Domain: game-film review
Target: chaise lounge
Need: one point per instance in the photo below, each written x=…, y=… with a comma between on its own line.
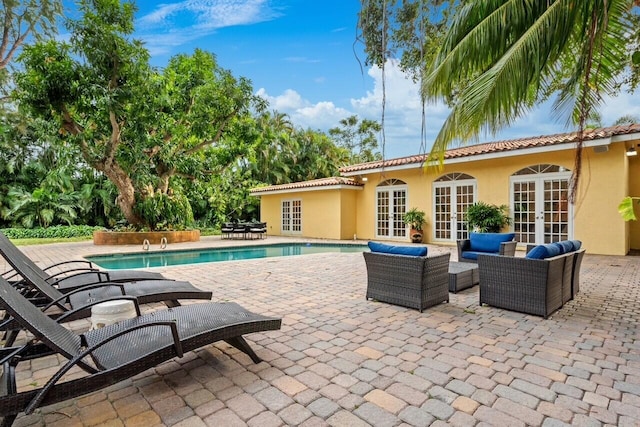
x=106, y=355
x=70, y=278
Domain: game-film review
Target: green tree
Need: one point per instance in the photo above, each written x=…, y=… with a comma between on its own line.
x=510, y=55
x=138, y=126
x=359, y=137
x=20, y=19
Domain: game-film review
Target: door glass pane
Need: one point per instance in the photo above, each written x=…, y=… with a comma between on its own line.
x=296, y=216
x=286, y=215
x=442, y=216
x=556, y=210
x=464, y=199
x=524, y=211
x=399, y=208
x=382, y=217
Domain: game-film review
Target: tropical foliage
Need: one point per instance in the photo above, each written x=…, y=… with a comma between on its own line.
x=131, y=144
x=499, y=58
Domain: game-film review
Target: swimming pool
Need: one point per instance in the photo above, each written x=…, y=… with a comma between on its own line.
x=196, y=256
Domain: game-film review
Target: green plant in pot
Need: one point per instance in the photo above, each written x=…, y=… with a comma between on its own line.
x=487, y=218
x=415, y=219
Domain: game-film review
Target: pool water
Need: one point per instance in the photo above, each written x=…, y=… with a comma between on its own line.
x=196, y=256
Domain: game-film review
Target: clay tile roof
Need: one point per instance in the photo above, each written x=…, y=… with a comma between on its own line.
x=322, y=182
x=501, y=146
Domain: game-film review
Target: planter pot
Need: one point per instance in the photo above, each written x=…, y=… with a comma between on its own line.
x=138, y=237
x=416, y=236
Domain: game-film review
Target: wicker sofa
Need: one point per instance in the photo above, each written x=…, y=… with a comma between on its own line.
x=530, y=285
x=410, y=281
x=486, y=243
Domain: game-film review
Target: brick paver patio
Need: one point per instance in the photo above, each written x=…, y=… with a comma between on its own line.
x=340, y=360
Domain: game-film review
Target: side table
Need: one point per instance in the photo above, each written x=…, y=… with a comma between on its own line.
x=462, y=275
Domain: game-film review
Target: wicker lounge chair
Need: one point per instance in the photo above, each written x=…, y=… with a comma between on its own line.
x=76, y=304
x=81, y=273
x=410, y=281
x=106, y=355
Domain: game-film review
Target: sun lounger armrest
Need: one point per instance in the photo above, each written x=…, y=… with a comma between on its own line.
x=8, y=353
x=75, y=261
x=63, y=274
x=35, y=402
x=70, y=313
x=101, y=276
x=83, y=289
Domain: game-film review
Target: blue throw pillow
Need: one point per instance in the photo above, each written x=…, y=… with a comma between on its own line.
x=543, y=251
x=397, y=250
x=565, y=246
x=577, y=244
x=489, y=242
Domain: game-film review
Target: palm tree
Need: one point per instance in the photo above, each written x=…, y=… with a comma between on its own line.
x=501, y=57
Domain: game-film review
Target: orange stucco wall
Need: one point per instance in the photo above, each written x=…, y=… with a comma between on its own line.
x=607, y=177
x=326, y=214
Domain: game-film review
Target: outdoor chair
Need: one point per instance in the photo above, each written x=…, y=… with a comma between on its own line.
x=532, y=286
x=410, y=281
x=258, y=229
x=226, y=231
x=77, y=303
x=486, y=243
x=71, y=278
x=106, y=355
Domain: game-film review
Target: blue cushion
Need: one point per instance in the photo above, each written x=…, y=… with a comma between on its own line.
x=489, y=242
x=398, y=250
x=565, y=246
x=577, y=244
x=544, y=251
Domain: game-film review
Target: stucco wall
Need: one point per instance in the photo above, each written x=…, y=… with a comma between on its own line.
x=607, y=177
x=326, y=214
x=596, y=220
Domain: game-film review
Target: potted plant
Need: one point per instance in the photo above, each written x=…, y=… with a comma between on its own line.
x=415, y=219
x=487, y=218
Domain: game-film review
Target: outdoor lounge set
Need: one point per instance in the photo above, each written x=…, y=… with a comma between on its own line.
x=106, y=354
x=539, y=283
x=244, y=230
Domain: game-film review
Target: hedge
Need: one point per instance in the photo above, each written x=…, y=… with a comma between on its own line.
x=54, y=232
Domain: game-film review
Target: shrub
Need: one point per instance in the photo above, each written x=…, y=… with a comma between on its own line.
x=487, y=218
x=164, y=212
x=55, y=232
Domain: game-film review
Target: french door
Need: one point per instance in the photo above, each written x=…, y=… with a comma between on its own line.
x=391, y=204
x=452, y=196
x=291, y=216
x=539, y=202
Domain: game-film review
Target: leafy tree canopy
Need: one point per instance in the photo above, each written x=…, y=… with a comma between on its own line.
x=139, y=126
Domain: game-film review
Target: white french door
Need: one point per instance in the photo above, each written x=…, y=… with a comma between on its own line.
x=539, y=202
x=291, y=216
x=391, y=204
x=452, y=196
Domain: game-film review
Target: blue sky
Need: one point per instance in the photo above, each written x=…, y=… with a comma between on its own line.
x=300, y=55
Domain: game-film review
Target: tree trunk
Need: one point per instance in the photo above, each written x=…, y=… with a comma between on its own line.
x=126, y=199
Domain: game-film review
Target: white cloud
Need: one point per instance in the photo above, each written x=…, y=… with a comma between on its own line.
x=322, y=115
x=174, y=24
x=403, y=112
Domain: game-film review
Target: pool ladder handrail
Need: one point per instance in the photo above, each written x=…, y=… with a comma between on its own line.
x=145, y=245
x=163, y=243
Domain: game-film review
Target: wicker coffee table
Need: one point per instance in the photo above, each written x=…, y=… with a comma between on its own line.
x=462, y=275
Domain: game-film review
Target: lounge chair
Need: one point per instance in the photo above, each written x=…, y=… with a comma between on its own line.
x=106, y=354
x=76, y=303
x=82, y=271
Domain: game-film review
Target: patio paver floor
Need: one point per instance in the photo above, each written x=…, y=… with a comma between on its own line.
x=340, y=360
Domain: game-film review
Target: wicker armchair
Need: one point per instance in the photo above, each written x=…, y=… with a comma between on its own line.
x=410, y=281
x=532, y=286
